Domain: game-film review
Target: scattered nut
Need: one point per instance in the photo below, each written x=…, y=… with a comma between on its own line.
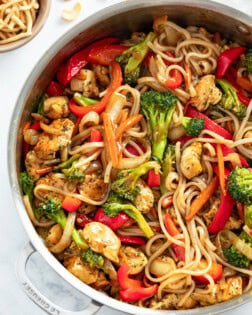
x=70, y=15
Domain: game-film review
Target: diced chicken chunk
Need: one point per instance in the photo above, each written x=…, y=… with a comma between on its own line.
x=145, y=199
x=54, y=235
x=133, y=257
x=81, y=269
x=56, y=107
x=190, y=160
x=93, y=187
x=248, y=135
x=101, y=283
x=207, y=299
x=32, y=163
x=102, y=75
x=233, y=288
x=49, y=144
x=85, y=82
x=52, y=180
x=207, y=93
x=171, y=301
x=102, y=239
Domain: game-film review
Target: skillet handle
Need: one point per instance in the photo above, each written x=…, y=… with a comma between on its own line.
x=38, y=298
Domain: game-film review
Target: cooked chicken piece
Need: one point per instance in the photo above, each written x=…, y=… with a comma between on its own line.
x=49, y=144
x=207, y=299
x=133, y=257
x=248, y=135
x=206, y=92
x=232, y=223
x=102, y=74
x=190, y=160
x=32, y=163
x=85, y=82
x=162, y=265
x=233, y=288
x=144, y=200
x=85, y=208
x=56, y=107
x=102, y=239
x=54, y=235
x=93, y=187
x=169, y=301
x=52, y=180
x=101, y=283
x=81, y=269
x=188, y=304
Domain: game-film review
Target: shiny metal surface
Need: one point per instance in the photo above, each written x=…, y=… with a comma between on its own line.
x=118, y=19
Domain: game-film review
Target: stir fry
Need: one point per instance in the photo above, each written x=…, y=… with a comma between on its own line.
x=137, y=167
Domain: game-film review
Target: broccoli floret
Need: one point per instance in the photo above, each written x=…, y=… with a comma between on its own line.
x=193, y=126
x=235, y=258
x=67, y=163
x=248, y=60
x=168, y=161
x=27, y=185
x=84, y=101
x=130, y=60
x=74, y=174
x=158, y=109
x=52, y=209
x=230, y=99
x=93, y=259
x=239, y=183
x=125, y=183
x=115, y=204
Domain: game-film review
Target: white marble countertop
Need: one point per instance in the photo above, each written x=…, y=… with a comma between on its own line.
x=15, y=67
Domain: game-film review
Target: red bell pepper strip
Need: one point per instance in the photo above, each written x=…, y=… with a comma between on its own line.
x=45, y=170
x=25, y=149
x=71, y=204
x=54, y=89
x=133, y=290
x=114, y=223
x=146, y=60
x=82, y=219
x=167, y=202
x=226, y=59
x=80, y=59
x=105, y=55
x=134, y=294
x=124, y=280
x=176, y=78
x=183, y=140
x=209, y=124
x=134, y=240
x=35, y=126
x=224, y=211
x=95, y=135
x=215, y=272
x=99, y=107
x=231, y=76
x=153, y=179
x=172, y=230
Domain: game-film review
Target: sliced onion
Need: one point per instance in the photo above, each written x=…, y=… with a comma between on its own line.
x=91, y=118
x=66, y=237
x=110, y=269
x=32, y=216
x=51, y=130
x=114, y=108
x=239, y=244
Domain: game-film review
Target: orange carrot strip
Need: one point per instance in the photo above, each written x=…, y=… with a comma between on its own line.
x=221, y=168
x=124, y=116
x=189, y=103
x=110, y=140
x=45, y=170
x=131, y=121
x=217, y=38
x=76, y=126
x=245, y=83
x=202, y=198
x=26, y=126
x=229, y=126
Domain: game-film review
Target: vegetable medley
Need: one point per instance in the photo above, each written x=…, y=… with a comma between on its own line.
x=137, y=167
